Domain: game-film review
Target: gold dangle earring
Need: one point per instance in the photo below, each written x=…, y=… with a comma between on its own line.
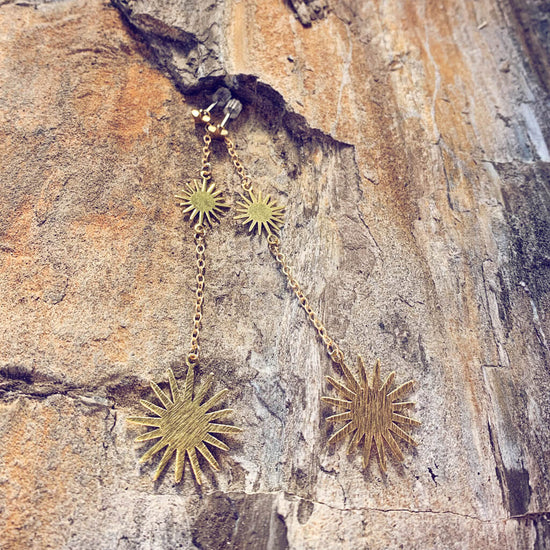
x=184, y=423
x=372, y=412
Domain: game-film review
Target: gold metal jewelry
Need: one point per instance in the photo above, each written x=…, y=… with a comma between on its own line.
x=184, y=423
x=372, y=411
x=260, y=213
x=202, y=202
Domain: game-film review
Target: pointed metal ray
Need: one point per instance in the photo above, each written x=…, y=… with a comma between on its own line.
x=401, y=390
x=342, y=432
x=201, y=447
x=216, y=442
x=203, y=390
x=392, y=444
x=354, y=441
x=153, y=450
x=350, y=378
x=399, y=406
x=223, y=429
x=163, y=398
x=342, y=403
x=387, y=383
x=341, y=388
x=164, y=460
x=402, y=434
x=216, y=414
x=154, y=434
x=273, y=226
x=366, y=451
x=189, y=383
x=376, y=381
x=213, y=401
x=244, y=204
x=340, y=417
x=380, y=450
x=180, y=461
x=405, y=419
x=159, y=411
x=145, y=421
x=173, y=386
x=194, y=464
x=362, y=372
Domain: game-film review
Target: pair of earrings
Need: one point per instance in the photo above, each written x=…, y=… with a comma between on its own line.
x=372, y=412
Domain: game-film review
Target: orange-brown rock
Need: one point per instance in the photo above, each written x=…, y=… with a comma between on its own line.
x=408, y=142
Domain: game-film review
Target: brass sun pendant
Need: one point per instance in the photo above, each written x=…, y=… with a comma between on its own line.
x=184, y=425
x=372, y=412
x=260, y=213
x=202, y=202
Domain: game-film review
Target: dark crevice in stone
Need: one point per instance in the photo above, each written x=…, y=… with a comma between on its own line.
x=17, y=381
x=514, y=483
x=526, y=203
x=519, y=491
x=193, y=61
x=239, y=521
x=498, y=460
x=305, y=509
x=17, y=373
x=541, y=523
x=531, y=22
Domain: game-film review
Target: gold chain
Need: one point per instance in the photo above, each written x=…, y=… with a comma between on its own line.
x=200, y=246
x=193, y=356
x=206, y=170
x=333, y=350
x=246, y=184
x=332, y=347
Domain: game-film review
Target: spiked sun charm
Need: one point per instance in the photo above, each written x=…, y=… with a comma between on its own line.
x=201, y=201
x=184, y=425
x=260, y=213
x=372, y=412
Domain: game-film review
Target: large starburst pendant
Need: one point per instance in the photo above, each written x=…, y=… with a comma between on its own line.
x=184, y=424
x=372, y=412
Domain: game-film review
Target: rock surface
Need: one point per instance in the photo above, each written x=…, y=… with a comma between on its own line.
x=408, y=141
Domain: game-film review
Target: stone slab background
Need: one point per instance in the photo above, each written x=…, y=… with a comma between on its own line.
x=408, y=141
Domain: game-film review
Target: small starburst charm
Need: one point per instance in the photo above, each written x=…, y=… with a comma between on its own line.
x=202, y=202
x=260, y=213
x=184, y=425
x=372, y=412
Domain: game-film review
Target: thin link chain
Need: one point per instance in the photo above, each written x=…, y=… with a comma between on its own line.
x=206, y=170
x=335, y=353
x=200, y=245
x=246, y=183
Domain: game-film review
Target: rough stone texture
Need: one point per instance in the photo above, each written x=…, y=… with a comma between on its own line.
x=409, y=143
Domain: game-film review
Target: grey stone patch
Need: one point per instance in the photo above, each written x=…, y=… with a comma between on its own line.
x=308, y=11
